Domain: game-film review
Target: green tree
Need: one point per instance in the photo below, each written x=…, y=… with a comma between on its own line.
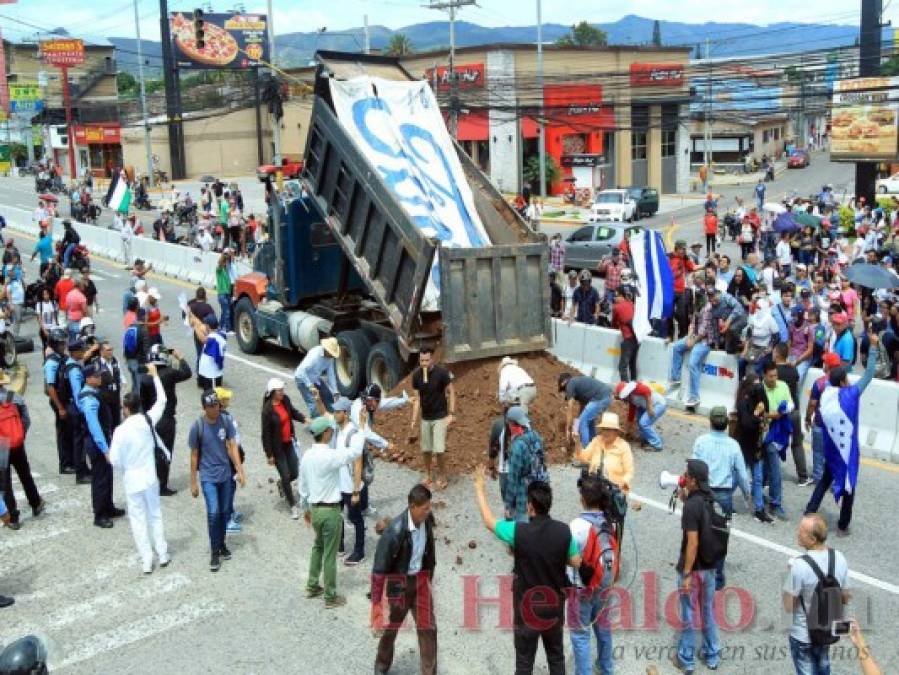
x=890, y=66
x=18, y=151
x=531, y=172
x=127, y=83
x=583, y=35
x=656, y=34
x=399, y=45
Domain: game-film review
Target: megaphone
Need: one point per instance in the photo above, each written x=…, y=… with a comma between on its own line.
x=668, y=480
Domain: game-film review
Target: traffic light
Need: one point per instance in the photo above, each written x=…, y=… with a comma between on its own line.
x=199, y=34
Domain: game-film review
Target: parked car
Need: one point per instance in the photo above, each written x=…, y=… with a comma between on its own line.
x=889, y=185
x=613, y=205
x=586, y=246
x=799, y=159
x=647, y=200
x=289, y=169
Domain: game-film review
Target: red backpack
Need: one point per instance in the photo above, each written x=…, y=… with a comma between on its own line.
x=11, y=427
x=601, y=554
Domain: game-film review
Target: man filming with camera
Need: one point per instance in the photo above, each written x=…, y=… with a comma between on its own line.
x=699, y=551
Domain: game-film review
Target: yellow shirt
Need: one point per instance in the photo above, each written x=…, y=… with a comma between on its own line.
x=617, y=460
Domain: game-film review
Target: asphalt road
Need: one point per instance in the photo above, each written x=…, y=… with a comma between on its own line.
x=82, y=589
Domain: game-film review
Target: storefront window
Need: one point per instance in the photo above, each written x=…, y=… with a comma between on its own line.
x=638, y=145
x=669, y=143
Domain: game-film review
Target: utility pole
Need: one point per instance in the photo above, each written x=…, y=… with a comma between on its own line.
x=276, y=124
x=143, y=98
x=274, y=193
x=452, y=6
x=707, y=130
x=541, y=130
x=172, y=95
x=801, y=123
x=868, y=66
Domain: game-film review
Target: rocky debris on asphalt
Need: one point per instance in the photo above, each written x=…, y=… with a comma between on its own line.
x=476, y=384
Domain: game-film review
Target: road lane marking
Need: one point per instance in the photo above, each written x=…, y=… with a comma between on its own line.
x=47, y=489
x=31, y=538
x=94, y=645
x=778, y=548
x=109, y=569
x=259, y=366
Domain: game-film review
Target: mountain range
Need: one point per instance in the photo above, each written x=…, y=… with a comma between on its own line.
x=725, y=39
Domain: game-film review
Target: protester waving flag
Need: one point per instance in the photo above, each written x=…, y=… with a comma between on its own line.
x=655, y=283
x=839, y=412
x=118, y=197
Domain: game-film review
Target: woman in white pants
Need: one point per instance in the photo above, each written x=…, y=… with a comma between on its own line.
x=133, y=452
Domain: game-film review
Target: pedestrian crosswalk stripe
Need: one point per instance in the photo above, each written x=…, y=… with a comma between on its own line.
x=31, y=538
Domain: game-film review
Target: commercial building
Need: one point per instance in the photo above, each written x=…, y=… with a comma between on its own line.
x=94, y=101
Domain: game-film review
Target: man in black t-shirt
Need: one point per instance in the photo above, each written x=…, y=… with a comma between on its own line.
x=787, y=372
x=432, y=384
x=696, y=577
x=200, y=308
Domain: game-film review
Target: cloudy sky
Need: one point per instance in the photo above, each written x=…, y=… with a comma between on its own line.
x=116, y=17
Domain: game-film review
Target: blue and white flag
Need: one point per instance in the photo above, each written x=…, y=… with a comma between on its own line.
x=839, y=412
x=655, y=282
x=779, y=430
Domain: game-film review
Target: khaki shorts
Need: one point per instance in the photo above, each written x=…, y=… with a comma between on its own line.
x=433, y=435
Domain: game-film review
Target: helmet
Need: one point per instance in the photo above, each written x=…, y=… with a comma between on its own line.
x=585, y=275
x=58, y=335
x=372, y=391
x=87, y=325
x=25, y=656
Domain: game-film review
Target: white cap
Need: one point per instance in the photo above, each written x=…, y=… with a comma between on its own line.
x=508, y=361
x=154, y=293
x=627, y=390
x=273, y=384
x=140, y=285
x=86, y=321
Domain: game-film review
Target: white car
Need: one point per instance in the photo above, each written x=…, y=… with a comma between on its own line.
x=612, y=205
x=889, y=185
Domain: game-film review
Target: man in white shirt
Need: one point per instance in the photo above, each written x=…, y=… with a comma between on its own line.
x=353, y=491
x=317, y=370
x=516, y=387
x=799, y=588
x=204, y=239
x=133, y=453
x=784, y=254
x=125, y=226
x=40, y=213
x=320, y=500
x=568, y=294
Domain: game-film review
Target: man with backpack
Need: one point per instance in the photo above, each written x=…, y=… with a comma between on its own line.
x=527, y=463
x=814, y=593
x=14, y=424
x=700, y=550
x=595, y=537
x=98, y=434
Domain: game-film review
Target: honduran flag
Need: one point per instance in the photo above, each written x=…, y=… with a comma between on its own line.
x=118, y=197
x=839, y=412
x=655, y=283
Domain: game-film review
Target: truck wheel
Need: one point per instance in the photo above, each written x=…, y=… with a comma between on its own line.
x=385, y=367
x=354, y=348
x=245, y=322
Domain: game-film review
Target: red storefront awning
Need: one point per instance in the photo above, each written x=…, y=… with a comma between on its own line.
x=474, y=126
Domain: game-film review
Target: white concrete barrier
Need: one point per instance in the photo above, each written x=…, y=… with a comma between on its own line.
x=568, y=343
x=654, y=360
x=602, y=347
x=717, y=383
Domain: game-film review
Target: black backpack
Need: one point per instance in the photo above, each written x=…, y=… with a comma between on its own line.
x=714, y=534
x=826, y=605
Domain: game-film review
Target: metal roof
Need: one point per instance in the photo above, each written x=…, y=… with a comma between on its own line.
x=40, y=36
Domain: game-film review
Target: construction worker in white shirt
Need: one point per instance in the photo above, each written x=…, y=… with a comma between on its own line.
x=133, y=453
x=516, y=387
x=320, y=498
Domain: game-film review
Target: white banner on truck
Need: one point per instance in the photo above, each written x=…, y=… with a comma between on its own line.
x=399, y=128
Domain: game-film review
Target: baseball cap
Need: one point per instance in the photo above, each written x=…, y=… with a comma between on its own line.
x=517, y=415
x=372, y=391
x=209, y=398
x=698, y=470
x=319, y=425
x=274, y=384
x=680, y=243
x=342, y=404
x=76, y=345
x=718, y=415
x=211, y=320
x=625, y=389
x=92, y=369
x=832, y=360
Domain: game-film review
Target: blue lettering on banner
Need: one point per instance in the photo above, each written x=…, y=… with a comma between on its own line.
x=717, y=371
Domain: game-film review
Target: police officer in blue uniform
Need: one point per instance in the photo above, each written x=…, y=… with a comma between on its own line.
x=73, y=372
x=59, y=397
x=97, y=436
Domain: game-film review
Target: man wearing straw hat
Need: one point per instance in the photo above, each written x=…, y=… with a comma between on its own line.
x=318, y=371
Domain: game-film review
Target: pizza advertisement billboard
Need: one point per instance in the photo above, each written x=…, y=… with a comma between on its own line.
x=232, y=41
x=67, y=52
x=864, y=119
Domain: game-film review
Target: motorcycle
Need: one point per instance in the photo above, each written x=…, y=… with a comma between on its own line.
x=186, y=214
x=142, y=200
x=80, y=258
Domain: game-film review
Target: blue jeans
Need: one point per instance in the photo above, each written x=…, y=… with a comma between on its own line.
x=802, y=368
x=225, y=318
x=591, y=411
x=758, y=485
x=74, y=329
x=218, y=502
x=772, y=469
x=696, y=607
x=67, y=255
x=817, y=453
x=698, y=354
x=725, y=499
x=647, y=430
x=324, y=393
x=810, y=659
x=593, y=611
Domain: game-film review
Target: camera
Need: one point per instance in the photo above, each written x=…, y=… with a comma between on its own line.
x=840, y=627
x=616, y=498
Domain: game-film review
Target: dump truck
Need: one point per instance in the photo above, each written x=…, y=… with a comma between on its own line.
x=346, y=260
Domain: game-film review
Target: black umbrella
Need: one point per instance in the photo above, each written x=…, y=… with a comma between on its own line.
x=872, y=276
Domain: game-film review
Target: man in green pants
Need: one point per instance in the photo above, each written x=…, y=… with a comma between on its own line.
x=320, y=499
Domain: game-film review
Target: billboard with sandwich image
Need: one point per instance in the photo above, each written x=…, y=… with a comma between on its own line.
x=864, y=119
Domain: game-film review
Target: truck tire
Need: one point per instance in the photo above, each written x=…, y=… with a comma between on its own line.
x=24, y=345
x=245, y=325
x=354, y=348
x=385, y=367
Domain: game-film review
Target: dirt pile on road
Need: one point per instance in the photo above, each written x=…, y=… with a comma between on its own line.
x=476, y=384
